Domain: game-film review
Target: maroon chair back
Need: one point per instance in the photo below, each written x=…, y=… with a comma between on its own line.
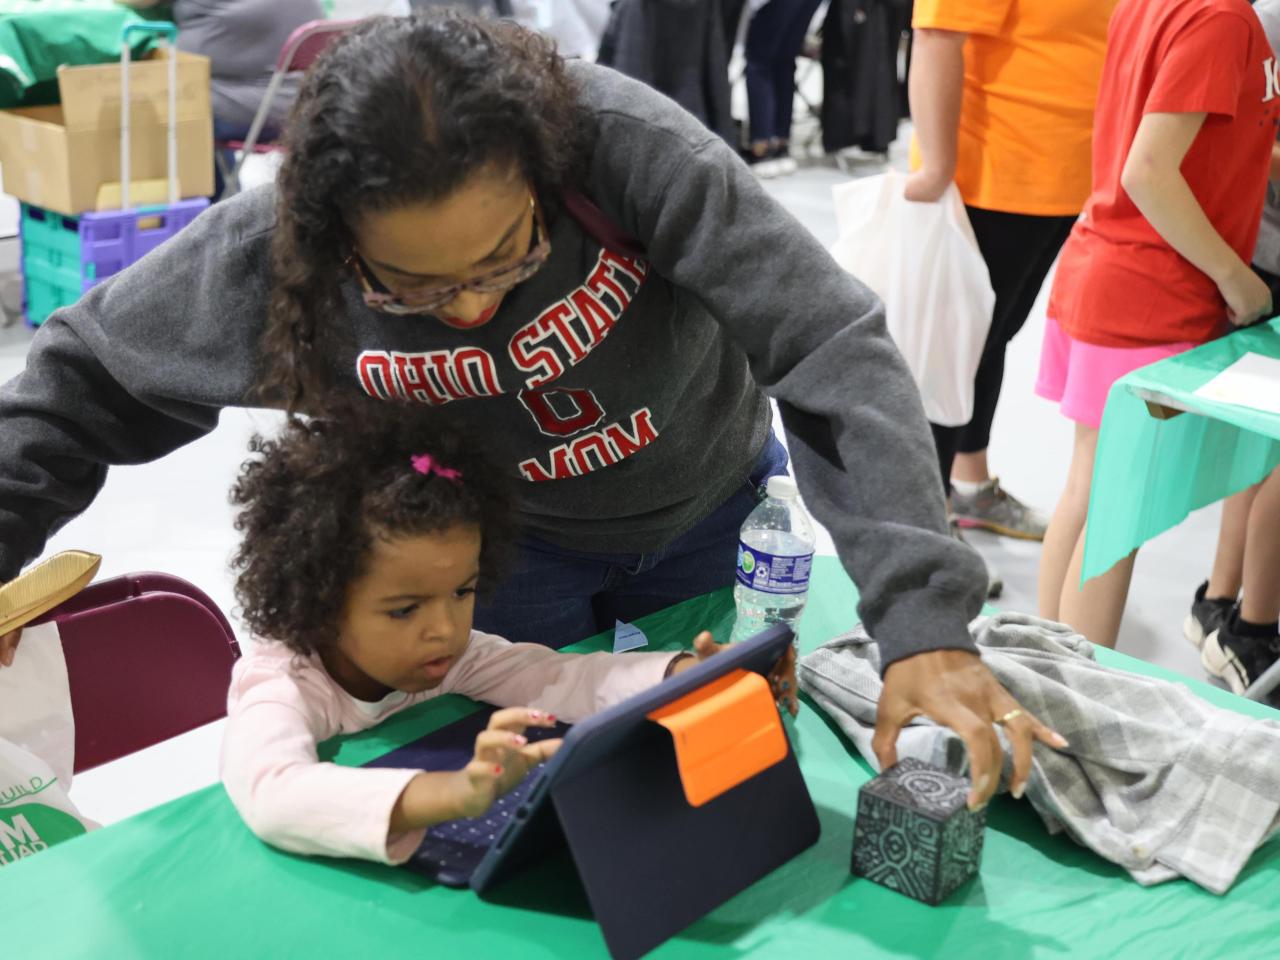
x=299, y=52
x=308, y=41
x=149, y=657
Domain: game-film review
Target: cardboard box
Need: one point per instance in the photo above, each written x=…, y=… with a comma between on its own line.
x=66, y=158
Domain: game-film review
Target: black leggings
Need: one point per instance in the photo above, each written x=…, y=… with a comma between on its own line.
x=1019, y=250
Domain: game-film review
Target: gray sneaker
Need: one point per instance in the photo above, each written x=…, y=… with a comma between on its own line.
x=995, y=509
x=995, y=585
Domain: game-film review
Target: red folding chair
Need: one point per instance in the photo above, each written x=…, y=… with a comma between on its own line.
x=300, y=50
x=149, y=656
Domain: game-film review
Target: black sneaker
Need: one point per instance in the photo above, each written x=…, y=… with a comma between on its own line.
x=1238, y=660
x=1206, y=616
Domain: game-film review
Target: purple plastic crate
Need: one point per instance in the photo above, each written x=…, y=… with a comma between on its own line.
x=62, y=257
x=112, y=240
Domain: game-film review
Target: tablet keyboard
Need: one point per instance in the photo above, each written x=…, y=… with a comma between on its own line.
x=459, y=845
x=451, y=851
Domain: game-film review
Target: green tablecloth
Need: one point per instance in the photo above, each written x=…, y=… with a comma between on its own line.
x=38, y=36
x=188, y=879
x=1149, y=474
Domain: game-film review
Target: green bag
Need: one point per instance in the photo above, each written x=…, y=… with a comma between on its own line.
x=38, y=36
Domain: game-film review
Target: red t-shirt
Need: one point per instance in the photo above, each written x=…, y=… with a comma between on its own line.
x=1119, y=284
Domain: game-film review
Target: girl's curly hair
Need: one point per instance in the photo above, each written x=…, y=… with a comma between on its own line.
x=314, y=500
x=401, y=110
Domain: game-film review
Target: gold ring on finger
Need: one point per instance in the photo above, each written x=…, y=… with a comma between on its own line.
x=1011, y=715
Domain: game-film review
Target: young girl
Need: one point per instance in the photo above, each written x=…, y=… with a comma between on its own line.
x=364, y=542
x=1160, y=260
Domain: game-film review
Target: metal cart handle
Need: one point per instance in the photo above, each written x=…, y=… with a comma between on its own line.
x=168, y=34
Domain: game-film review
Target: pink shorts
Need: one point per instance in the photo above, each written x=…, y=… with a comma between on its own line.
x=1077, y=375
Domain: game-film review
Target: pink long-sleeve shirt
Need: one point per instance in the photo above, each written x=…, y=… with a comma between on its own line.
x=282, y=704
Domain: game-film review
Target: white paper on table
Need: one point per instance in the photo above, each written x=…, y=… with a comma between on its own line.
x=1252, y=381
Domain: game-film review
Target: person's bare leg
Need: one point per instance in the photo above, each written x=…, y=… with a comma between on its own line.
x=1096, y=609
x=1261, y=601
x=971, y=467
x=1227, y=575
x=1067, y=523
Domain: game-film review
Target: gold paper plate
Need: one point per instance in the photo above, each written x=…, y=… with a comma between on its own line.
x=39, y=589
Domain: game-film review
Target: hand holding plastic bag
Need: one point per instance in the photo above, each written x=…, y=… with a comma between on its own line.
x=923, y=261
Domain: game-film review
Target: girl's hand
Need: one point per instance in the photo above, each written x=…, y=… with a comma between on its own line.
x=1248, y=297
x=9, y=647
x=502, y=759
x=782, y=679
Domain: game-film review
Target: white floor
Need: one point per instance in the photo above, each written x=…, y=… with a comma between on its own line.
x=173, y=516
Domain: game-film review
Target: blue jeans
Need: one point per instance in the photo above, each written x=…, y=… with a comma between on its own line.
x=775, y=37
x=555, y=596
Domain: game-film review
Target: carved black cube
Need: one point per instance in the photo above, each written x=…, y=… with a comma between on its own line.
x=914, y=833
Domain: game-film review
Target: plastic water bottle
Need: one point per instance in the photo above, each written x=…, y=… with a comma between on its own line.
x=775, y=555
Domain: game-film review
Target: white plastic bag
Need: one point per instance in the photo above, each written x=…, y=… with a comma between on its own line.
x=923, y=261
x=37, y=749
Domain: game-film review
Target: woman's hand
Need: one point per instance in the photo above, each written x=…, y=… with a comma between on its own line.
x=782, y=678
x=954, y=688
x=9, y=647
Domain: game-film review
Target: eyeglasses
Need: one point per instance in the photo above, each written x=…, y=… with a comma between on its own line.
x=414, y=302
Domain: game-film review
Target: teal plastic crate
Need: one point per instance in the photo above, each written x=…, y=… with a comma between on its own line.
x=44, y=292
x=64, y=256
x=50, y=251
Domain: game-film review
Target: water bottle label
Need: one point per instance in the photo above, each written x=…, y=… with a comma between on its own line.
x=769, y=574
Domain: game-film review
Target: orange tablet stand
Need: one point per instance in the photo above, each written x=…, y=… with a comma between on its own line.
x=724, y=734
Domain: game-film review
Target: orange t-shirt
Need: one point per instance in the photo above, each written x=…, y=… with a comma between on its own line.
x=1031, y=70
x=1119, y=283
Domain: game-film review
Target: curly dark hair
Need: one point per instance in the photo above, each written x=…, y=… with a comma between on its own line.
x=314, y=500
x=401, y=110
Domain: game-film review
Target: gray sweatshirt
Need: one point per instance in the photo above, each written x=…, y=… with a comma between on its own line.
x=628, y=395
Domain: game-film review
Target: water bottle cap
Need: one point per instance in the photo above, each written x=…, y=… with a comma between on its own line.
x=782, y=488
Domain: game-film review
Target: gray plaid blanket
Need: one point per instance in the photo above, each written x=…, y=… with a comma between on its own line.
x=1155, y=779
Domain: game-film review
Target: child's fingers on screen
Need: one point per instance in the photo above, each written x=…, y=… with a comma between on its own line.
x=483, y=774
x=540, y=751
x=704, y=645
x=497, y=745
x=515, y=719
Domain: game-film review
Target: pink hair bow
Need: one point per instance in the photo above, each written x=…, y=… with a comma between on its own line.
x=426, y=466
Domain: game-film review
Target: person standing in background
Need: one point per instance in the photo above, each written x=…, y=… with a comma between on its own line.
x=1002, y=96
x=678, y=48
x=775, y=35
x=1158, y=264
x=1240, y=637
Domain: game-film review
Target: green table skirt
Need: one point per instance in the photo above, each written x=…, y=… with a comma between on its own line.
x=1149, y=474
